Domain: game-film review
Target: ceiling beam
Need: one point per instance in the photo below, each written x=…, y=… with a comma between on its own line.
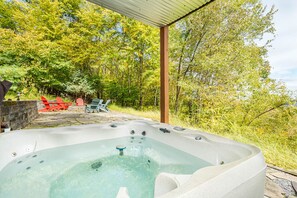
x=190, y=12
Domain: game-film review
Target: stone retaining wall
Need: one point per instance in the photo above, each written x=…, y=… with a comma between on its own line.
x=18, y=114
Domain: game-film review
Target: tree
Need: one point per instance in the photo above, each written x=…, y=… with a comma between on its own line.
x=217, y=56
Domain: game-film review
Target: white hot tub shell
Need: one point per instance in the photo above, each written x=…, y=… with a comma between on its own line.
x=237, y=170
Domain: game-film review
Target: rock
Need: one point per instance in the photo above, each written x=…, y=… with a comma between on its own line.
x=285, y=176
x=285, y=185
x=272, y=190
x=294, y=185
x=270, y=176
x=292, y=196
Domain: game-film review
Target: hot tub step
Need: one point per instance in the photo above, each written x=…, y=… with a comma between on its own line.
x=123, y=193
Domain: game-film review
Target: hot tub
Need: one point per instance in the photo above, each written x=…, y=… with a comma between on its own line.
x=129, y=159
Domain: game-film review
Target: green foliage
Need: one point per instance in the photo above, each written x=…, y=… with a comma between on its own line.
x=82, y=86
x=220, y=76
x=277, y=149
x=6, y=15
x=14, y=74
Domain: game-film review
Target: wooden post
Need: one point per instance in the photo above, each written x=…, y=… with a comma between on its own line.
x=164, y=101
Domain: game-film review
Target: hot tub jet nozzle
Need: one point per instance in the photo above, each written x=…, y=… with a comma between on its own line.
x=121, y=149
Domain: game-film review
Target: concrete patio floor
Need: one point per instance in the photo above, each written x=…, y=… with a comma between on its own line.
x=76, y=116
x=278, y=183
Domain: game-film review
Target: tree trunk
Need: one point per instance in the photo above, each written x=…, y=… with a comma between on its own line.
x=140, y=80
x=178, y=88
x=156, y=98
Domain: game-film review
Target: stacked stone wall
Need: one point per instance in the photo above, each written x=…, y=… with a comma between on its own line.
x=18, y=114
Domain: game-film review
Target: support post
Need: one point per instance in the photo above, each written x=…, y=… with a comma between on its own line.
x=164, y=91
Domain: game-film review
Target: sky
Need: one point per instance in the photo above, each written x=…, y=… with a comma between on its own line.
x=283, y=53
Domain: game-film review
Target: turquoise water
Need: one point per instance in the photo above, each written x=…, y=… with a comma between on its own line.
x=95, y=169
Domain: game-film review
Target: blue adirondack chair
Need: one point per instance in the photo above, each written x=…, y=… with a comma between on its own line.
x=94, y=106
x=103, y=107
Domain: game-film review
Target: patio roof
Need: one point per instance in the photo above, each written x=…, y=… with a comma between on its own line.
x=158, y=13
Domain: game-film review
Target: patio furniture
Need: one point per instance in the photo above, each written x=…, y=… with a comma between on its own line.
x=49, y=106
x=103, y=107
x=79, y=102
x=94, y=106
x=62, y=104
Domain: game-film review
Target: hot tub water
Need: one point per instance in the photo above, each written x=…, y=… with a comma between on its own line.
x=95, y=169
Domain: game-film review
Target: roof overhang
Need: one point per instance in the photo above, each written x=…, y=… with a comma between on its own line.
x=158, y=13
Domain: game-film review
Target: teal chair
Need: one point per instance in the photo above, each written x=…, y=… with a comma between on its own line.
x=94, y=106
x=103, y=107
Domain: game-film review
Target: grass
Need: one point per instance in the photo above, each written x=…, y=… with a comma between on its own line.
x=152, y=114
x=275, y=148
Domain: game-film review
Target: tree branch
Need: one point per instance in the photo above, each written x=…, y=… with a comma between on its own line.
x=259, y=115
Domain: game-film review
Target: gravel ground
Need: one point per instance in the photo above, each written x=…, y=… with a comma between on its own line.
x=285, y=185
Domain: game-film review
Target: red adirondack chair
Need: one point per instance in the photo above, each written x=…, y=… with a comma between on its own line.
x=49, y=106
x=79, y=102
x=62, y=104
